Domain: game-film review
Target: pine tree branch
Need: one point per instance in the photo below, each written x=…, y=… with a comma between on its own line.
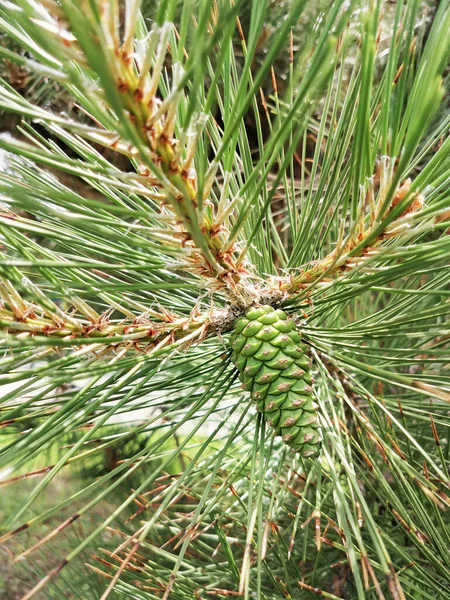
x=144, y=131
x=25, y=323
x=61, y=329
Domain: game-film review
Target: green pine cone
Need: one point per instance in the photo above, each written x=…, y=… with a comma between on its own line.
x=273, y=367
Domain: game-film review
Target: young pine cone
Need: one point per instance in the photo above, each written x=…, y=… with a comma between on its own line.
x=273, y=367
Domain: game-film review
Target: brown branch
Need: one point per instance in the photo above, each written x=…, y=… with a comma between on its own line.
x=344, y=258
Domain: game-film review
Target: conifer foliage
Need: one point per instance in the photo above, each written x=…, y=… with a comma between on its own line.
x=228, y=190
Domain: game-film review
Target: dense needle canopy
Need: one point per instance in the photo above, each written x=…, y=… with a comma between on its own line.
x=174, y=166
